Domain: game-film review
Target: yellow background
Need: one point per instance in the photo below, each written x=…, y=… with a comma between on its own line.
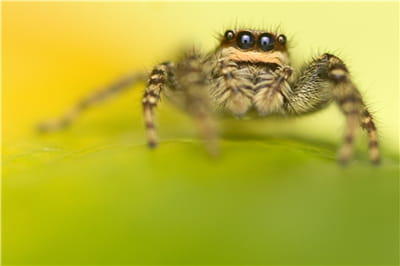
x=54, y=53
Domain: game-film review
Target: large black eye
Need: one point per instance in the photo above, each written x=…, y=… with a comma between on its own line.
x=245, y=40
x=266, y=41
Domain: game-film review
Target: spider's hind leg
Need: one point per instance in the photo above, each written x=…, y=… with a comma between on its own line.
x=89, y=101
x=192, y=79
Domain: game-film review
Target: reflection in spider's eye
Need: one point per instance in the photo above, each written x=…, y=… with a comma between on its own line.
x=245, y=40
x=282, y=39
x=229, y=35
x=266, y=42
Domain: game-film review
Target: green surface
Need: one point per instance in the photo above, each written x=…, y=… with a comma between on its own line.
x=73, y=198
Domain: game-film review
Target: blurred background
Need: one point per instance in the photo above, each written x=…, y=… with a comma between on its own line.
x=95, y=194
x=55, y=53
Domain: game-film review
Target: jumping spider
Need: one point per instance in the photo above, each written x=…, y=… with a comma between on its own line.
x=248, y=73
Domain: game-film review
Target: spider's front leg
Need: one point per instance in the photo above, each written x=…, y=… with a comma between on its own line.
x=159, y=77
x=327, y=78
x=186, y=83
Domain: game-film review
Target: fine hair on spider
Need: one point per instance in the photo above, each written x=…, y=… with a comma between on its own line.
x=249, y=73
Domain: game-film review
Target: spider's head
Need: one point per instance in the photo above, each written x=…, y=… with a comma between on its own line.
x=255, y=46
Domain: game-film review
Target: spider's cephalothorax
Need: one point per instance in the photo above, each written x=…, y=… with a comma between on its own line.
x=249, y=70
x=249, y=73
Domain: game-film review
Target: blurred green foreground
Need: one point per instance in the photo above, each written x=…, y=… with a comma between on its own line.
x=95, y=194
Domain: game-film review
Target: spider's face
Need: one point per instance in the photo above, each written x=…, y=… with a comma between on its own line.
x=255, y=46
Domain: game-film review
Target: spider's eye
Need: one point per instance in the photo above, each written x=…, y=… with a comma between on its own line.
x=266, y=42
x=229, y=35
x=282, y=39
x=245, y=40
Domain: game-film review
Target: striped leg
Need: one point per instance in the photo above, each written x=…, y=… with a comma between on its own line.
x=351, y=104
x=271, y=88
x=326, y=79
x=193, y=82
x=89, y=101
x=368, y=124
x=234, y=88
x=158, y=79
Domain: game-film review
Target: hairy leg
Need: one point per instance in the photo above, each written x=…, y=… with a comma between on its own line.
x=351, y=104
x=325, y=79
x=233, y=87
x=89, y=101
x=193, y=84
x=158, y=80
x=271, y=90
x=368, y=124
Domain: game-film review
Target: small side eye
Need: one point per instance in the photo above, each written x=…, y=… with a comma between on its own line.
x=245, y=40
x=229, y=35
x=266, y=41
x=282, y=39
